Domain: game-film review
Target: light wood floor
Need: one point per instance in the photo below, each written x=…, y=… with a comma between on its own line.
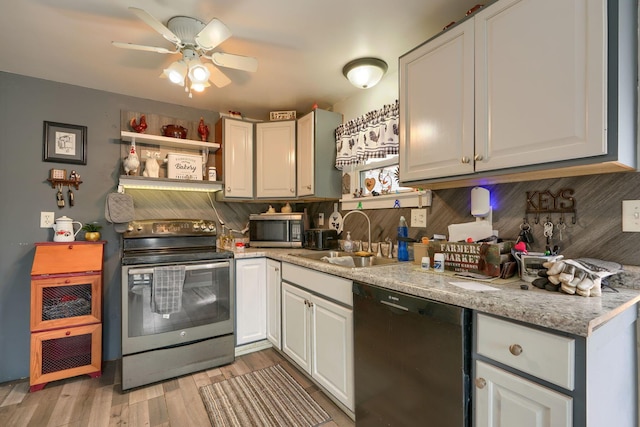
x=83, y=401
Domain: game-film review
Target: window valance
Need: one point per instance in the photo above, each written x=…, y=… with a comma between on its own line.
x=372, y=136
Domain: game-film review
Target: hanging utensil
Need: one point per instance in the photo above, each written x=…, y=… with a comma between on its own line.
x=72, y=197
x=60, y=197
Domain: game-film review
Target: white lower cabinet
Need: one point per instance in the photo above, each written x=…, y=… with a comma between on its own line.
x=274, y=296
x=504, y=399
x=527, y=376
x=317, y=333
x=251, y=300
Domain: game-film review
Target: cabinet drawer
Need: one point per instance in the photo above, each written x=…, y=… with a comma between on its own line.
x=541, y=354
x=333, y=287
x=67, y=257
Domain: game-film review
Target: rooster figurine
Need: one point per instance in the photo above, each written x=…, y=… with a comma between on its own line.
x=131, y=162
x=139, y=127
x=203, y=130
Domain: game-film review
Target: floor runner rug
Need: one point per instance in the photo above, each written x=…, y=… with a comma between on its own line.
x=267, y=397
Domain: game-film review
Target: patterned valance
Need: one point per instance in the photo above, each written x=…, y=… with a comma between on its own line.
x=372, y=136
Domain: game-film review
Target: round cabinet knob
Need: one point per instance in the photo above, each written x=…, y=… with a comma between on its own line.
x=308, y=187
x=183, y=334
x=277, y=269
x=478, y=157
x=67, y=281
x=67, y=333
x=515, y=349
x=481, y=383
x=292, y=190
x=465, y=159
x=228, y=189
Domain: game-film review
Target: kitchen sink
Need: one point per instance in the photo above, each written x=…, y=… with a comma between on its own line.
x=341, y=259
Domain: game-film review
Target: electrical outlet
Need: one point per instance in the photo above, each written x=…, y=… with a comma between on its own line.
x=46, y=219
x=418, y=217
x=320, y=219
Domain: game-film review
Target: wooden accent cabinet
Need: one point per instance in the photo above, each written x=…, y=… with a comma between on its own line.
x=66, y=311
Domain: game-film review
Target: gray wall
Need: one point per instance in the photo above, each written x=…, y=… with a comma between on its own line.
x=25, y=103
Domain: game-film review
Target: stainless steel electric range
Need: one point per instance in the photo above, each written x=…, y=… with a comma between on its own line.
x=177, y=300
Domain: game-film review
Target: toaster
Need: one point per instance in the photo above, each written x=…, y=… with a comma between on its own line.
x=320, y=239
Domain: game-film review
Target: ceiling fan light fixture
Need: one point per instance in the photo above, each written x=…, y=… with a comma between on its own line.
x=198, y=73
x=176, y=72
x=365, y=72
x=199, y=87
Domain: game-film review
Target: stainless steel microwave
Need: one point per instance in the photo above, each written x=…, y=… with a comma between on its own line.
x=277, y=230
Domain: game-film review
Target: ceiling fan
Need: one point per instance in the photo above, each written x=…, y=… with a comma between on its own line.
x=194, y=40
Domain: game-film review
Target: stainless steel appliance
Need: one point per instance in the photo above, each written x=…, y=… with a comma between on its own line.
x=320, y=239
x=412, y=360
x=277, y=230
x=196, y=332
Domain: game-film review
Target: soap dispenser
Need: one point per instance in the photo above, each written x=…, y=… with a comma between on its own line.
x=348, y=243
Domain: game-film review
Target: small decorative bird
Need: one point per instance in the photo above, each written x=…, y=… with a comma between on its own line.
x=139, y=127
x=203, y=130
x=131, y=162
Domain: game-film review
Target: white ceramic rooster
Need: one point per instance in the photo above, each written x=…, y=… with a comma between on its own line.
x=131, y=162
x=151, y=166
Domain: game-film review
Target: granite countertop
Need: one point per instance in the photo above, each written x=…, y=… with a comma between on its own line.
x=555, y=310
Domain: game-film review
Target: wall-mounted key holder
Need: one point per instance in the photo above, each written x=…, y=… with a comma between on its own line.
x=59, y=180
x=547, y=202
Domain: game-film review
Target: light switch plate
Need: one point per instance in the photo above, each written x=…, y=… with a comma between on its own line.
x=418, y=217
x=631, y=216
x=320, y=219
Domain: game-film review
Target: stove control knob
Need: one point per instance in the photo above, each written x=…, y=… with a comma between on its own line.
x=205, y=228
x=196, y=226
x=130, y=228
x=139, y=228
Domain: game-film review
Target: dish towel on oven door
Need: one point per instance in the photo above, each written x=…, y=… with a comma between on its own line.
x=166, y=290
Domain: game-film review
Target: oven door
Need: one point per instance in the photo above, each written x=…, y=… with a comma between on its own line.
x=206, y=312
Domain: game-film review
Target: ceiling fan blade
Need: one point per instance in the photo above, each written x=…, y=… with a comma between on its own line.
x=227, y=60
x=142, y=47
x=155, y=24
x=214, y=33
x=216, y=76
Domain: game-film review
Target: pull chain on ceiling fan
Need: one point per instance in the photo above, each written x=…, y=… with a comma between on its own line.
x=194, y=40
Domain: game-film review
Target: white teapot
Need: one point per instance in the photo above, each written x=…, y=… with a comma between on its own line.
x=63, y=229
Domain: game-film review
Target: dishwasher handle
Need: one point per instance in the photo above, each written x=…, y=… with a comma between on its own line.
x=410, y=304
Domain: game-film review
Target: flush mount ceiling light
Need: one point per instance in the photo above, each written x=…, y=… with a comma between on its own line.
x=365, y=72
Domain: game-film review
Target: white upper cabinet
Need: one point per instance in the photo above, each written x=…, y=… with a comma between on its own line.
x=236, y=138
x=521, y=87
x=436, y=107
x=316, y=144
x=540, y=82
x=276, y=159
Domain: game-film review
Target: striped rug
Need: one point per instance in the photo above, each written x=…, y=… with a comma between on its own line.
x=267, y=397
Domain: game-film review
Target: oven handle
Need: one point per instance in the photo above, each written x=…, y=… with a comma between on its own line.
x=187, y=268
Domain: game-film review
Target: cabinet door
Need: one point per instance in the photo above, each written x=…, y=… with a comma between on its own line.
x=503, y=399
x=540, y=82
x=276, y=159
x=238, y=158
x=274, y=294
x=436, y=107
x=332, y=348
x=295, y=325
x=251, y=300
x=305, y=164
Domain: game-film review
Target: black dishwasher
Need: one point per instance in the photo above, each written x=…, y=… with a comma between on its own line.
x=412, y=360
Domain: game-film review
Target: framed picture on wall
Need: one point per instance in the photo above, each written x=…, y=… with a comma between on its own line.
x=64, y=143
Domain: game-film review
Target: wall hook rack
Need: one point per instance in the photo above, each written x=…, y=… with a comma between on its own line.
x=548, y=202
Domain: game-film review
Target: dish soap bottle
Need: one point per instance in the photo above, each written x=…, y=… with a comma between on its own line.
x=348, y=243
x=403, y=232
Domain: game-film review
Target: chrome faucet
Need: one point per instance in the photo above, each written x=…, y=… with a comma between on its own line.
x=368, y=223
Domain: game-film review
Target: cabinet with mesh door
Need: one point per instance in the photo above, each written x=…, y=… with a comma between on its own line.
x=66, y=311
